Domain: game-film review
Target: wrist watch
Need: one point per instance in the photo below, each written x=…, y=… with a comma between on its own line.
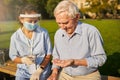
x=42, y=67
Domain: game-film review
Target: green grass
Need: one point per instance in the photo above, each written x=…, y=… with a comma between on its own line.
x=109, y=29
x=51, y=26
x=6, y=30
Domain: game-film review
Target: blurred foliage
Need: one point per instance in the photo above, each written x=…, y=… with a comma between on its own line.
x=9, y=8
x=102, y=7
x=13, y=7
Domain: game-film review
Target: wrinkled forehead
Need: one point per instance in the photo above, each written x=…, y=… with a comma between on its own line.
x=62, y=13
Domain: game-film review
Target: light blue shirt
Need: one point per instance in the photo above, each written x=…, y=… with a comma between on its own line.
x=21, y=46
x=85, y=43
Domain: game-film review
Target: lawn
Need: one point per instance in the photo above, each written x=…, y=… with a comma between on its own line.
x=109, y=29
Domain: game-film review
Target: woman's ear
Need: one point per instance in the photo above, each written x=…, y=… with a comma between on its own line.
x=21, y=20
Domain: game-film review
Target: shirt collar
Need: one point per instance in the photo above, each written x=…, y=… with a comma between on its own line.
x=78, y=29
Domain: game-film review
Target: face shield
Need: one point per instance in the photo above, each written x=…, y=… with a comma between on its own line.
x=30, y=15
x=28, y=24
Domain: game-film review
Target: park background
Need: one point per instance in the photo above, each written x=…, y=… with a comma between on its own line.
x=104, y=16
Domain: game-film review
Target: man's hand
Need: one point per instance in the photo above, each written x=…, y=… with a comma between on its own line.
x=63, y=63
x=53, y=76
x=36, y=74
x=26, y=60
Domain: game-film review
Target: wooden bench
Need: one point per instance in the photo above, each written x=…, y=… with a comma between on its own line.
x=9, y=68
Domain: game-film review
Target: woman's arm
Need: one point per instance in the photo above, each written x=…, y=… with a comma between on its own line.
x=45, y=61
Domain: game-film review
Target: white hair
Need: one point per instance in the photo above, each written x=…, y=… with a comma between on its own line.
x=66, y=6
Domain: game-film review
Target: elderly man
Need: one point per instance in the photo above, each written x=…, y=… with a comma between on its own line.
x=78, y=47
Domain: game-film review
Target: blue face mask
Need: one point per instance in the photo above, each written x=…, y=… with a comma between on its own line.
x=30, y=26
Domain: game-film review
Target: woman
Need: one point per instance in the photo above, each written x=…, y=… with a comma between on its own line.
x=30, y=47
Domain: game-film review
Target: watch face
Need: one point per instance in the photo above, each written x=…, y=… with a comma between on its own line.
x=41, y=67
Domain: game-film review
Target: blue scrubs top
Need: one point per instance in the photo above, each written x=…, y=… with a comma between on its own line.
x=21, y=46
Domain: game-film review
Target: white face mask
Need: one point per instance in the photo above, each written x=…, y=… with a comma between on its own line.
x=30, y=26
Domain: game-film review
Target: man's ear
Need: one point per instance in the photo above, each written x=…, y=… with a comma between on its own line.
x=77, y=16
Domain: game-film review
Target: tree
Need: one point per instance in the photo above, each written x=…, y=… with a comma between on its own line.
x=41, y=5
x=113, y=8
x=51, y=4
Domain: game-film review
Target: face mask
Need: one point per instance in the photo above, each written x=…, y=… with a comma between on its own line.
x=30, y=26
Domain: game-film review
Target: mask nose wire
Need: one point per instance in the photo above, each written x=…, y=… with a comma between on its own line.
x=34, y=22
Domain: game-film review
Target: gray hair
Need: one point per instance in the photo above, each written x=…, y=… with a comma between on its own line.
x=66, y=6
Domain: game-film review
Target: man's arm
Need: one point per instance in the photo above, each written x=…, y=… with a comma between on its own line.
x=70, y=62
x=93, y=61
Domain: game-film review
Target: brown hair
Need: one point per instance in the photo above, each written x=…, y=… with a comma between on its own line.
x=29, y=8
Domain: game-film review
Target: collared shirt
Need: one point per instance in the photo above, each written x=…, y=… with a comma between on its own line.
x=21, y=46
x=85, y=43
